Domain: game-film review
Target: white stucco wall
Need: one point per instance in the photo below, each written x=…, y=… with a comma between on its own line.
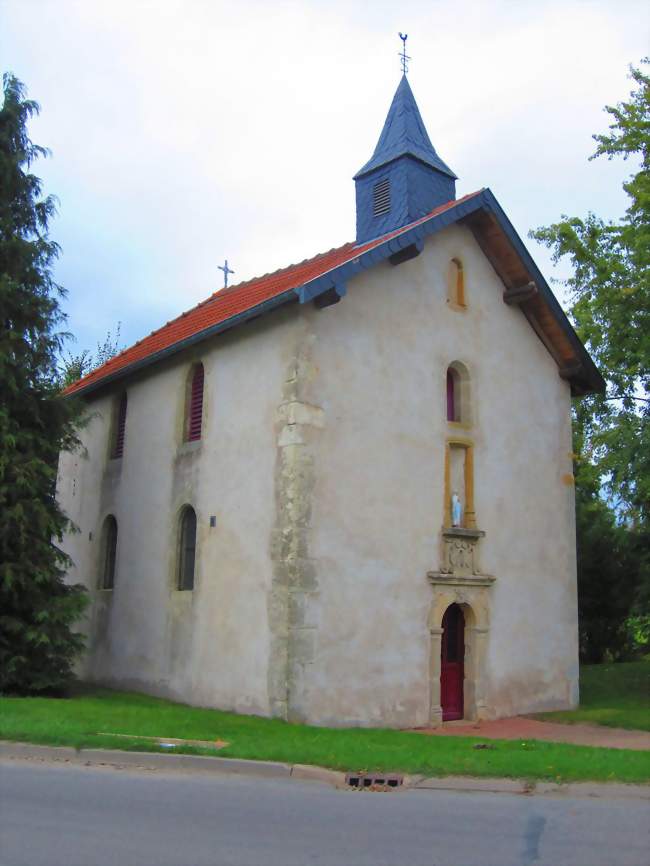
x=311, y=591
x=209, y=646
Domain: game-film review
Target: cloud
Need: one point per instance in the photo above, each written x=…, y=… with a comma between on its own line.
x=187, y=132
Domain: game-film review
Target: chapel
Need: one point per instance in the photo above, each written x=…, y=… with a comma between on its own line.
x=342, y=493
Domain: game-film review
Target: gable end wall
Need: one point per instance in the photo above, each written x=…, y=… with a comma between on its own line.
x=377, y=505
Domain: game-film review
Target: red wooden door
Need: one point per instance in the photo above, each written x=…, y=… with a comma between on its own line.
x=452, y=667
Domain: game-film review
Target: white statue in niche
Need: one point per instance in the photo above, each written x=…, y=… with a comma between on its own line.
x=456, y=509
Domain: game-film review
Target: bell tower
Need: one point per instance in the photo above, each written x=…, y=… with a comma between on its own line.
x=405, y=178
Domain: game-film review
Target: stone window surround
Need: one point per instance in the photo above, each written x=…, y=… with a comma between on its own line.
x=181, y=516
x=469, y=514
x=456, y=297
x=462, y=395
x=105, y=538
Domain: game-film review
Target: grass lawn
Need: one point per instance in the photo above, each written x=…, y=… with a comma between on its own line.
x=77, y=722
x=617, y=695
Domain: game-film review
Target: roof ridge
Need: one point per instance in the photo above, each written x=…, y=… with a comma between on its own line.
x=238, y=286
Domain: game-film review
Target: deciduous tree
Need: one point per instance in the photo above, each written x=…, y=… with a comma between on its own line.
x=610, y=292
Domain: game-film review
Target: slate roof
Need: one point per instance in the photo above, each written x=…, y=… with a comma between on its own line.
x=404, y=134
x=330, y=271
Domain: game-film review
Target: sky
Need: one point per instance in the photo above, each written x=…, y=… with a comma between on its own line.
x=184, y=132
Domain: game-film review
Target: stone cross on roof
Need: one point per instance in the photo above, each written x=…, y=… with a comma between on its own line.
x=226, y=270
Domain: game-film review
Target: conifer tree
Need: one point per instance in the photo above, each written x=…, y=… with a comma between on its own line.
x=37, y=609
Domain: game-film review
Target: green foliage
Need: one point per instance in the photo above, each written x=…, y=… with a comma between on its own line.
x=37, y=609
x=610, y=290
x=74, y=367
x=613, y=695
x=612, y=569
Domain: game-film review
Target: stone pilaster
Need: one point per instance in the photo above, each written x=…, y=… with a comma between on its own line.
x=292, y=626
x=435, y=708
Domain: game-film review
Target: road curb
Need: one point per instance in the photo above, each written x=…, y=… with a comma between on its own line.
x=311, y=773
x=143, y=760
x=307, y=772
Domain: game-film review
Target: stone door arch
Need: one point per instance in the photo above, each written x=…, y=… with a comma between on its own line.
x=473, y=602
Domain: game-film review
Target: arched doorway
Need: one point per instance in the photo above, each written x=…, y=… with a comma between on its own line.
x=472, y=596
x=452, y=663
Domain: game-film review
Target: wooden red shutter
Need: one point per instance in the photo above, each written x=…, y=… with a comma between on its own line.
x=196, y=406
x=120, y=427
x=451, y=397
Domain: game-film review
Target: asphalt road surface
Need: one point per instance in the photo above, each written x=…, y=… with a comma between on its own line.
x=57, y=815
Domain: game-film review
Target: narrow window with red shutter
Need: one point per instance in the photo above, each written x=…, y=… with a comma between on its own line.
x=195, y=408
x=120, y=428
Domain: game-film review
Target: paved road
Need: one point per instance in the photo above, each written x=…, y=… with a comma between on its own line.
x=56, y=815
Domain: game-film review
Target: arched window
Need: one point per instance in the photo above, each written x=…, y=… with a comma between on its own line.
x=109, y=552
x=187, y=551
x=456, y=284
x=194, y=420
x=119, y=426
x=458, y=394
x=451, y=395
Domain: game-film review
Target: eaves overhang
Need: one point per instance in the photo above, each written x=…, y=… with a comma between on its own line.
x=521, y=277
x=186, y=343
x=383, y=160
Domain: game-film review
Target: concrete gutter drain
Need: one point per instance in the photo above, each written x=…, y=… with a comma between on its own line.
x=373, y=782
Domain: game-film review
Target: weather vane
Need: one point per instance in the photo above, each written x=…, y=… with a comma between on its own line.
x=404, y=58
x=226, y=270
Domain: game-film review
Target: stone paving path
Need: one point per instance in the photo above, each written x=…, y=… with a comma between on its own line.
x=523, y=728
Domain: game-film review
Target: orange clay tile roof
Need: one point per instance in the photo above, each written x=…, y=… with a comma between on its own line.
x=230, y=302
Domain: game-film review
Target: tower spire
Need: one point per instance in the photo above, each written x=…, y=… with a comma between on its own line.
x=405, y=178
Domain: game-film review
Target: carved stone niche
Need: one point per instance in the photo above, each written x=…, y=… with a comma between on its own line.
x=459, y=554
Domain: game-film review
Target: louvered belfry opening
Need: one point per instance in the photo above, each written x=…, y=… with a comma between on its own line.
x=195, y=409
x=381, y=197
x=120, y=427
